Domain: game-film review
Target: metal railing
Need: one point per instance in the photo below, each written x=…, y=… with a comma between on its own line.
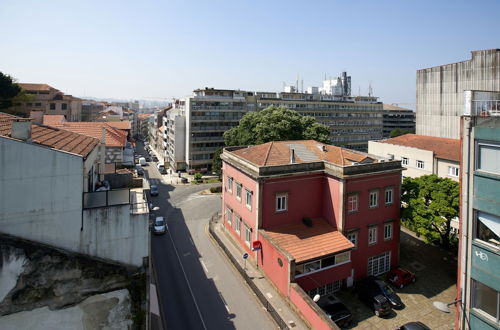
x=267, y=305
x=106, y=198
x=485, y=108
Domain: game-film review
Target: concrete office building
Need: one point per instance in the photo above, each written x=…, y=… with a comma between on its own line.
x=440, y=91
x=174, y=123
x=478, y=287
x=395, y=117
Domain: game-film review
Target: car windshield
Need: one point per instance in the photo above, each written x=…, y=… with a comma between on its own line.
x=159, y=222
x=154, y=188
x=387, y=290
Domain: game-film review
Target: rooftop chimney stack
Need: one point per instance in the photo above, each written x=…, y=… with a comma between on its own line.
x=21, y=129
x=292, y=156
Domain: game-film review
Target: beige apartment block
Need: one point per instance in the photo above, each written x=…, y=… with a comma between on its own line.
x=421, y=155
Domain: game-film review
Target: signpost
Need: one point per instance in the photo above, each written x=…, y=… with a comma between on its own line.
x=245, y=257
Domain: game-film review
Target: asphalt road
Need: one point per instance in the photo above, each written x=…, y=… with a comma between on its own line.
x=198, y=287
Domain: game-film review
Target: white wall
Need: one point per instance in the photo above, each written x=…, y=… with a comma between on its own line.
x=442, y=168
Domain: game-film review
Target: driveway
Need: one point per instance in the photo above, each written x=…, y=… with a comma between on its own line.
x=436, y=281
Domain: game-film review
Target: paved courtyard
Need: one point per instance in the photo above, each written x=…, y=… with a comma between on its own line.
x=436, y=281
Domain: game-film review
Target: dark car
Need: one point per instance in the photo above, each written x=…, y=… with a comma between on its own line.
x=140, y=171
x=400, y=277
x=414, y=326
x=148, y=159
x=154, y=158
x=335, y=310
x=382, y=288
x=153, y=190
x=372, y=297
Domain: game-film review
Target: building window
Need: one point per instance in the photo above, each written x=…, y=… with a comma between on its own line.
x=52, y=106
x=248, y=199
x=379, y=264
x=237, y=224
x=229, y=215
x=404, y=161
x=420, y=164
x=312, y=266
x=453, y=171
x=352, y=203
x=38, y=104
x=372, y=235
x=64, y=106
x=488, y=158
x=353, y=237
x=388, y=231
x=238, y=191
x=487, y=229
x=281, y=202
x=486, y=299
x=373, y=199
x=328, y=262
x=248, y=235
x=230, y=184
x=389, y=193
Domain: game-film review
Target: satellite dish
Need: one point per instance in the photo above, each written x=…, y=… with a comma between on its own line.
x=442, y=306
x=316, y=298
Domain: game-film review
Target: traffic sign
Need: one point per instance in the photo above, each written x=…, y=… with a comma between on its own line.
x=245, y=255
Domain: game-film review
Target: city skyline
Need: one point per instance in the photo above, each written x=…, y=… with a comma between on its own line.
x=159, y=51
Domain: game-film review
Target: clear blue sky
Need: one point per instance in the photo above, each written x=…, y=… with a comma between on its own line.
x=164, y=49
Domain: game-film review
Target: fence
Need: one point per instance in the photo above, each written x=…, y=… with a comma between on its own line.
x=269, y=308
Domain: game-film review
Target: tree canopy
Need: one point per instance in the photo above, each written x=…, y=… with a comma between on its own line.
x=217, y=162
x=429, y=205
x=275, y=124
x=8, y=90
x=399, y=131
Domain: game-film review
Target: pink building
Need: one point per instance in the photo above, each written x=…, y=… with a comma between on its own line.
x=324, y=216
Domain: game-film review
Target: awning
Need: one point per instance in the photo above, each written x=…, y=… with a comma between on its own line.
x=490, y=221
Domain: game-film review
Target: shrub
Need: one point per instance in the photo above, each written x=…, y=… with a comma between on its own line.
x=217, y=189
x=198, y=177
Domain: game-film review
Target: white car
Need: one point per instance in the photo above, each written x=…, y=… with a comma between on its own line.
x=159, y=226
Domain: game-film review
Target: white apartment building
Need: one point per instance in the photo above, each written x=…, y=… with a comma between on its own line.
x=174, y=123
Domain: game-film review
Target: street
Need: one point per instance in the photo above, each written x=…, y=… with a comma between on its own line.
x=197, y=286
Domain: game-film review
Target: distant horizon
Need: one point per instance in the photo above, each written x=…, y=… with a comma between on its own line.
x=158, y=50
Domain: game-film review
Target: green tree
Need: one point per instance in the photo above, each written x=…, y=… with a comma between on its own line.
x=217, y=162
x=398, y=131
x=275, y=124
x=8, y=90
x=429, y=205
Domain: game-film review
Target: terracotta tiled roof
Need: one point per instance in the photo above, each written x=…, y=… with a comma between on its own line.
x=120, y=124
x=442, y=147
x=36, y=87
x=305, y=243
x=278, y=153
x=53, y=119
x=144, y=115
x=53, y=137
x=114, y=137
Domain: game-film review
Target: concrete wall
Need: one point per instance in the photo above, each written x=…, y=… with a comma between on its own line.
x=440, y=97
x=413, y=154
x=114, y=154
x=442, y=168
x=113, y=233
x=309, y=310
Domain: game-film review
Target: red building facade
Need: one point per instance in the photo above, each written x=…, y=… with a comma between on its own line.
x=323, y=216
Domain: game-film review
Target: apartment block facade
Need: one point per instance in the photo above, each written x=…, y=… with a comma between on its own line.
x=316, y=215
x=478, y=283
x=440, y=91
x=395, y=117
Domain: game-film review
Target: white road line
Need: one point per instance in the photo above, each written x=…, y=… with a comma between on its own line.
x=224, y=302
x=191, y=240
x=187, y=282
x=204, y=266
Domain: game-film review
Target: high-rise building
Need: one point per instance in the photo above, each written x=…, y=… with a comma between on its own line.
x=440, y=91
x=395, y=117
x=478, y=287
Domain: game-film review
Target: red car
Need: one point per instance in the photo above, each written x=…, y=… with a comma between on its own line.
x=400, y=277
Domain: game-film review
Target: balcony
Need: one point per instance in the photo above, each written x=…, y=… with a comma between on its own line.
x=485, y=108
x=106, y=198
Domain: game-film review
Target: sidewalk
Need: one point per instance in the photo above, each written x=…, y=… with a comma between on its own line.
x=272, y=301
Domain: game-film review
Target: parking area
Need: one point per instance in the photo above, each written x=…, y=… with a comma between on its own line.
x=436, y=281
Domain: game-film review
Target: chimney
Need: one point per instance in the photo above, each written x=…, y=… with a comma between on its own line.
x=292, y=156
x=21, y=129
x=324, y=148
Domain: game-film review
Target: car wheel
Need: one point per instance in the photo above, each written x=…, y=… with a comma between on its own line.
x=377, y=313
x=401, y=286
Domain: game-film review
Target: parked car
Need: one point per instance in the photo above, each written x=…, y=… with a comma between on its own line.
x=159, y=226
x=153, y=190
x=140, y=170
x=161, y=168
x=148, y=158
x=368, y=294
x=400, y=277
x=142, y=161
x=414, y=326
x=335, y=310
x=154, y=158
x=382, y=288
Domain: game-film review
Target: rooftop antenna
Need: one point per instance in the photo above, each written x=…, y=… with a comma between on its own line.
x=302, y=86
x=370, y=91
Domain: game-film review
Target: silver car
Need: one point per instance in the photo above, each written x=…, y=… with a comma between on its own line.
x=159, y=226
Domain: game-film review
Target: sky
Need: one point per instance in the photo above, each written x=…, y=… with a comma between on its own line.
x=165, y=49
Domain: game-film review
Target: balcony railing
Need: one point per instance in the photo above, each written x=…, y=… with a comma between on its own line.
x=106, y=198
x=485, y=108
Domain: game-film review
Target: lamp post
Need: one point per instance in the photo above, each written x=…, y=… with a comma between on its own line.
x=445, y=308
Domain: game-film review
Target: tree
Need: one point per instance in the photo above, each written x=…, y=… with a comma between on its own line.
x=275, y=124
x=217, y=162
x=8, y=90
x=398, y=131
x=429, y=205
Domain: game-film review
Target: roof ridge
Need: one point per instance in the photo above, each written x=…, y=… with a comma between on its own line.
x=268, y=152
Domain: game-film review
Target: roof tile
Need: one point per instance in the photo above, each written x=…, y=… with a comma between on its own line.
x=443, y=148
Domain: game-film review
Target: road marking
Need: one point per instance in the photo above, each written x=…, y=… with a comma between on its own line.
x=187, y=254
x=192, y=243
x=204, y=266
x=224, y=302
x=187, y=282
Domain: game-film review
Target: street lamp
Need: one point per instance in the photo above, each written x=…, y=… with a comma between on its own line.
x=445, y=308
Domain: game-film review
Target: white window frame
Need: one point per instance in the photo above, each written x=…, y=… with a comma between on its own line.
x=370, y=194
x=405, y=161
x=283, y=206
x=453, y=171
x=388, y=231
x=239, y=188
x=237, y=224
x=379, y=264
x=248, y=199
x=420, y=164
x=372, y=235
x=230, y=184
x=229, y=215
x=352, y=203
x=353, y=237
x=248, y=235
x=389, y=201
x=479, y=146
